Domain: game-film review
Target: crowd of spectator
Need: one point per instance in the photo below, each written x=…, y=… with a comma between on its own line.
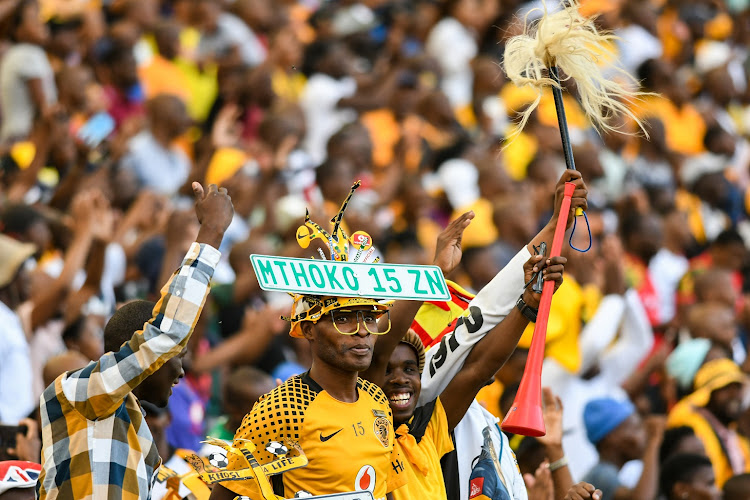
x=110, y=109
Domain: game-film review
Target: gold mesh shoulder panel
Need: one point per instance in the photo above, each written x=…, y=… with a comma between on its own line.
x=373, y=390
x=278, y=415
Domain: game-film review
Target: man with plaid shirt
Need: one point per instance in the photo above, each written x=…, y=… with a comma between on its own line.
x=95, y=442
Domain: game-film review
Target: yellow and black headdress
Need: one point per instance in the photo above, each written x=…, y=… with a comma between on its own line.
x=313, y=307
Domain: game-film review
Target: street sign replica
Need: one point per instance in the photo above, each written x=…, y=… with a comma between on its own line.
x=346, y=271
x=350, y=279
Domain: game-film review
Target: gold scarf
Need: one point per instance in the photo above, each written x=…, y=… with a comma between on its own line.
x=413, y=452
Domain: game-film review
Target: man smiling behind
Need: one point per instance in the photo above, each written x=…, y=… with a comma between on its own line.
x=424, y=433
x=341, y=422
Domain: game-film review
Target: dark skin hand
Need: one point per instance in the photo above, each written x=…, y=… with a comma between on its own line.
x=215, y=211
x=552, y=441
x=540, y=486
x=447, y=256
x=583, y=491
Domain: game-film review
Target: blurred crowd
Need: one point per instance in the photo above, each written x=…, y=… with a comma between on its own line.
x=109, y=109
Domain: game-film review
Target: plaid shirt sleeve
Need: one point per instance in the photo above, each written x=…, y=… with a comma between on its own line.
x=99, y=389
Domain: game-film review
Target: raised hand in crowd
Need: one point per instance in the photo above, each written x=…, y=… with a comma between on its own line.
x=181, y=230
x=146, y=218
x=540, y=486
x=552, y=413
x=583, y=491
x=259, y=326
x=448, y=250
x=86, y=209
x=227, y=132
x=215, y=211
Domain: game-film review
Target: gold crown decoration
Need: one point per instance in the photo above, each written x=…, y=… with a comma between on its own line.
x=337, y=241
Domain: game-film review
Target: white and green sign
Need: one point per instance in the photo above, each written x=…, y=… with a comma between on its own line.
x=350, y=279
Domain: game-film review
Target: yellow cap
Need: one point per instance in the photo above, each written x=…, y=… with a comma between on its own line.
x=715, y=375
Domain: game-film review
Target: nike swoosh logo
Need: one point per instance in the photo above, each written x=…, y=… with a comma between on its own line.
x=323, y=438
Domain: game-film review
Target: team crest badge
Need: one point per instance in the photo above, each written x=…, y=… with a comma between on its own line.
x=382, y=428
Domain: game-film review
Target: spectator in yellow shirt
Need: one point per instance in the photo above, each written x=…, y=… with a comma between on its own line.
x=712, y=411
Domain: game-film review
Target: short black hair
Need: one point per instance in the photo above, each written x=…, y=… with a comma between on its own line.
x=58, y=25
x=315, y=53
x=345, y=133
x=127, y=320
x=633, y=223
x=647, y=73
x=472, y=253
x=327, y=169
x=672, y=439
x=712, y=133
x=727, y=238
x=680, y=468
x=242, y=377
x=18, y=218
x=325, y=13
x=111, y=51
x=73, y=330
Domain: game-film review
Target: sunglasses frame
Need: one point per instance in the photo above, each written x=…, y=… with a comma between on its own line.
x=360, y=320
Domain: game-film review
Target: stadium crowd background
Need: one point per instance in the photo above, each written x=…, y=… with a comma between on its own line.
x=286, y=103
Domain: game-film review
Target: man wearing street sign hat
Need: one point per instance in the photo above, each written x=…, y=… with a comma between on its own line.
x=344, y=423
x=712, y=411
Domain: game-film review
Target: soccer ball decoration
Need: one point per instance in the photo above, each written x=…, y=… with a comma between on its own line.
x=276, y=448
x=218, y=459
x=303, y=494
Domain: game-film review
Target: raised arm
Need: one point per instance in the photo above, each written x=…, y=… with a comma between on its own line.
x=447, y=256
x=98, y=390
x=92, y=220
x=490, y=353
x=552, y=442
x=493, y=302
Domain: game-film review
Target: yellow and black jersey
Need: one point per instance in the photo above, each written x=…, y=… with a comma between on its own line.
x=349, y=445
x=428, y=440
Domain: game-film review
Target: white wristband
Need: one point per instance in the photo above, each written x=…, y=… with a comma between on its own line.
x=558, y=464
